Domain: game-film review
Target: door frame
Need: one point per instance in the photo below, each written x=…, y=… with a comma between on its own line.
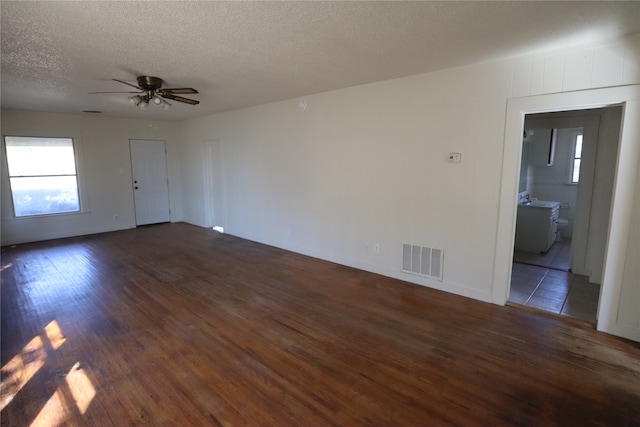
x=133, y=184
x=622, y=198
x=214, y=195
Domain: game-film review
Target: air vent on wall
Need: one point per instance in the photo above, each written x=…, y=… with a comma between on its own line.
x=422, y=261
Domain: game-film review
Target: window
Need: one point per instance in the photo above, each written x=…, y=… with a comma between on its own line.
x=577, y=158
x=42, y=175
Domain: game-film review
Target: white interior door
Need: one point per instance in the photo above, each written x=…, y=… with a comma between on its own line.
x=150, y=181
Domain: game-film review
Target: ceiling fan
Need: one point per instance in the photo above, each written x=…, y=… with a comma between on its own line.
x=150, y=90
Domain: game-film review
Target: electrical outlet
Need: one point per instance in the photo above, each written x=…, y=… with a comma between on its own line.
x=374, y=248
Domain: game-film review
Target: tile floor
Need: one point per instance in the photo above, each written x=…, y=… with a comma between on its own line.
x=558, y=257
x=544, y=281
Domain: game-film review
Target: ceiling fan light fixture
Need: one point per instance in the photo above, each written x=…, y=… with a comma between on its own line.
x=157, y=100
x=165, y=105
x=144, y=105
x=135, y=100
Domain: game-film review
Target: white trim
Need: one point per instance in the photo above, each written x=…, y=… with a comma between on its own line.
x=450, y=287
x=574, y=136
x=623, y=191
x=78, y=154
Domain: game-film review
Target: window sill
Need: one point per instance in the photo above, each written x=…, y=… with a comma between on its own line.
x=53, y=215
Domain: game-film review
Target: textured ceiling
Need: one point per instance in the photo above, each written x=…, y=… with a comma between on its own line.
x=239, y=54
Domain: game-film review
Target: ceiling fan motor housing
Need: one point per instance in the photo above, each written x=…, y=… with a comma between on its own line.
x=149, y=82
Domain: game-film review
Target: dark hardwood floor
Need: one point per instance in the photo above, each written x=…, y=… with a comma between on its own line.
x=175, y=325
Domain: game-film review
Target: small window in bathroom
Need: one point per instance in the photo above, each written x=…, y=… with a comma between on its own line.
x=577, y=158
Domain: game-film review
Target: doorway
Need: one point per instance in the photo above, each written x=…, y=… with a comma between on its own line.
x=150, y=181
x=618, y=296
x=567, y=173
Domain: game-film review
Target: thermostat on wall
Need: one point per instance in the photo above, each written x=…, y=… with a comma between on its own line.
x=454, y=157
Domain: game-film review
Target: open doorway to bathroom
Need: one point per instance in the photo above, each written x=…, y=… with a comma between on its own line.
x=566, y=179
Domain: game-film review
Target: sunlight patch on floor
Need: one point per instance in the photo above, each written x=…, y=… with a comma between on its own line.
x=77, y=388
x=56, y=338
x=81, y=388
x=19, y=370
x=53, y=413
x=73, y=396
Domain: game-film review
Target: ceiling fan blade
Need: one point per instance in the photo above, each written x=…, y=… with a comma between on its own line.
x=128, y=84
x=180, y=99
x=93, y=93
x=180, y=90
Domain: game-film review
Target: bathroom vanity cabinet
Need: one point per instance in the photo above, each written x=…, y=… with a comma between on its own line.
x=536, y=226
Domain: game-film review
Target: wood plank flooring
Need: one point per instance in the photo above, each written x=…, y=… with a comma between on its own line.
x=175, y=325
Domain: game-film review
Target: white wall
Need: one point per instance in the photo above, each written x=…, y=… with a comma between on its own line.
x=368, y=165
x=102, y=146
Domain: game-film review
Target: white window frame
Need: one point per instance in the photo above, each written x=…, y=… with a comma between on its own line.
x=77, y=151
x=572, y=158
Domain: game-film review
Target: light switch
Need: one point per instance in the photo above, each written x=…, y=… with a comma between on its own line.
x=455, y=157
